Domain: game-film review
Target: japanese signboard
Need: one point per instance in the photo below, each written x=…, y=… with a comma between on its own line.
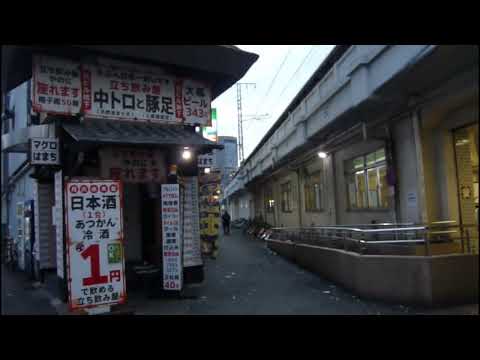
x=95, y=254
x=133, y=165
x=56, y=85
x=207, y=160
x=191, y=224
x=171, y=230
x=58, y=221
x=196, y=103
x=20, y=240
x=44, y=151
x=115, y=92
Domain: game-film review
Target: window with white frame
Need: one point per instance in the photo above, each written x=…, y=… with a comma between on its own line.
x=286, y=190
x=269, y=201
x=314, y=192
x=367, y=181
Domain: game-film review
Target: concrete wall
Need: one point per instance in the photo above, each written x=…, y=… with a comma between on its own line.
x=420, y=280
x=406, y=171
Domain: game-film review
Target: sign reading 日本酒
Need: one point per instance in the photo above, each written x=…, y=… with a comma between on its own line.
x=95, y=255
x=133, y=165
x=56, y=85
x=44, y=151
x=172, y=242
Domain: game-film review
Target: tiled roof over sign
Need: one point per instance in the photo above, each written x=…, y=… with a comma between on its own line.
x=116, y=132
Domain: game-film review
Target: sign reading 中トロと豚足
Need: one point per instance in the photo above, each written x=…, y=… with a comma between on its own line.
x=120, y=93
x=56, y=85
x=95, y=255
x=44, y=151
x=172, y=242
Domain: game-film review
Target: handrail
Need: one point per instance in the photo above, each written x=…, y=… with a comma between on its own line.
x=427, y=234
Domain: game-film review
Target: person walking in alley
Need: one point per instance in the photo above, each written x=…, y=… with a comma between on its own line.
x=226, y=222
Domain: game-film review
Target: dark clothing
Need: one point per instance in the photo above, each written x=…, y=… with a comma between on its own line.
x=226, y=223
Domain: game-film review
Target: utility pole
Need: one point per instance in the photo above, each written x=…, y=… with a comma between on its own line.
x=240, y=119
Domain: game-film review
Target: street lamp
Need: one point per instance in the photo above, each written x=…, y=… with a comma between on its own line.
x=207, y=170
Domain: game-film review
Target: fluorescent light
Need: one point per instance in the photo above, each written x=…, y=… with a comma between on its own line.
x=322, y=155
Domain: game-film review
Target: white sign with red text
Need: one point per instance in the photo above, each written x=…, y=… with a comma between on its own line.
x=56, y=86
x=172, y=241
x=95, y=254
x=119, y=93
x=192, y=253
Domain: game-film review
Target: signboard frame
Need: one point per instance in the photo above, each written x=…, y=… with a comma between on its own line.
x=31, y=157
x=122, y=296
x=177, y=259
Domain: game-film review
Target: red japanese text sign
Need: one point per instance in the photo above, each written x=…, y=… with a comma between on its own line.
x=95, y=253
x=56, y=85
x=133, y=165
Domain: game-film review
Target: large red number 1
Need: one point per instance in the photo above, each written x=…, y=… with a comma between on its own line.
x=93, y=252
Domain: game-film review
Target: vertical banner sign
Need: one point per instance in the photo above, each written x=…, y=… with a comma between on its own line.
x=197, y=99
x=171, y=229
x=20, y=243
x=56, y=86
x=95, y=260
x=192, y=255
x=58, y=221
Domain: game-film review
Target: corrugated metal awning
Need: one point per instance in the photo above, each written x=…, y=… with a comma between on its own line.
x=125, y=133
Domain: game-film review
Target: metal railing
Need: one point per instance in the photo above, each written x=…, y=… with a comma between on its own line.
x=384, y=238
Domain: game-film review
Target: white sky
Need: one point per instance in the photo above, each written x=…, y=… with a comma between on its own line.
x=289, y=80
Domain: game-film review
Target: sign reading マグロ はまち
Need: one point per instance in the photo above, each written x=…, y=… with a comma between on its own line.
x=95, y=263
x=56, y=85
x=44, y=151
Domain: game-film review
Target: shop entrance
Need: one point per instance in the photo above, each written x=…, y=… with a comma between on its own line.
x=466, y=157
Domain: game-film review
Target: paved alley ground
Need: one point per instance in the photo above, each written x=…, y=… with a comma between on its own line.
x=245, y=279
x=249, y=279
x=20, y=297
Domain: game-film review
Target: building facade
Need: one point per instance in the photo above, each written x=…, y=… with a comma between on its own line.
x=380, y=133
x=143, y=156
x=227, y=158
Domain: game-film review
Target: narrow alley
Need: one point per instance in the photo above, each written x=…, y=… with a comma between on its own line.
x=249, y=279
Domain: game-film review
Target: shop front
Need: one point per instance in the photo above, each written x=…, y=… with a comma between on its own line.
x=115, y=165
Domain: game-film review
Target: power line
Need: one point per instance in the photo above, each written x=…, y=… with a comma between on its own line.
x=274, y=78
x=296, y=71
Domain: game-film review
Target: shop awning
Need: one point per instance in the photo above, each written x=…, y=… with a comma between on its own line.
x=116, y=132
x=220, y=65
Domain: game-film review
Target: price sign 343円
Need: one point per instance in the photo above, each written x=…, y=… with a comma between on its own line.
x=95, y=254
